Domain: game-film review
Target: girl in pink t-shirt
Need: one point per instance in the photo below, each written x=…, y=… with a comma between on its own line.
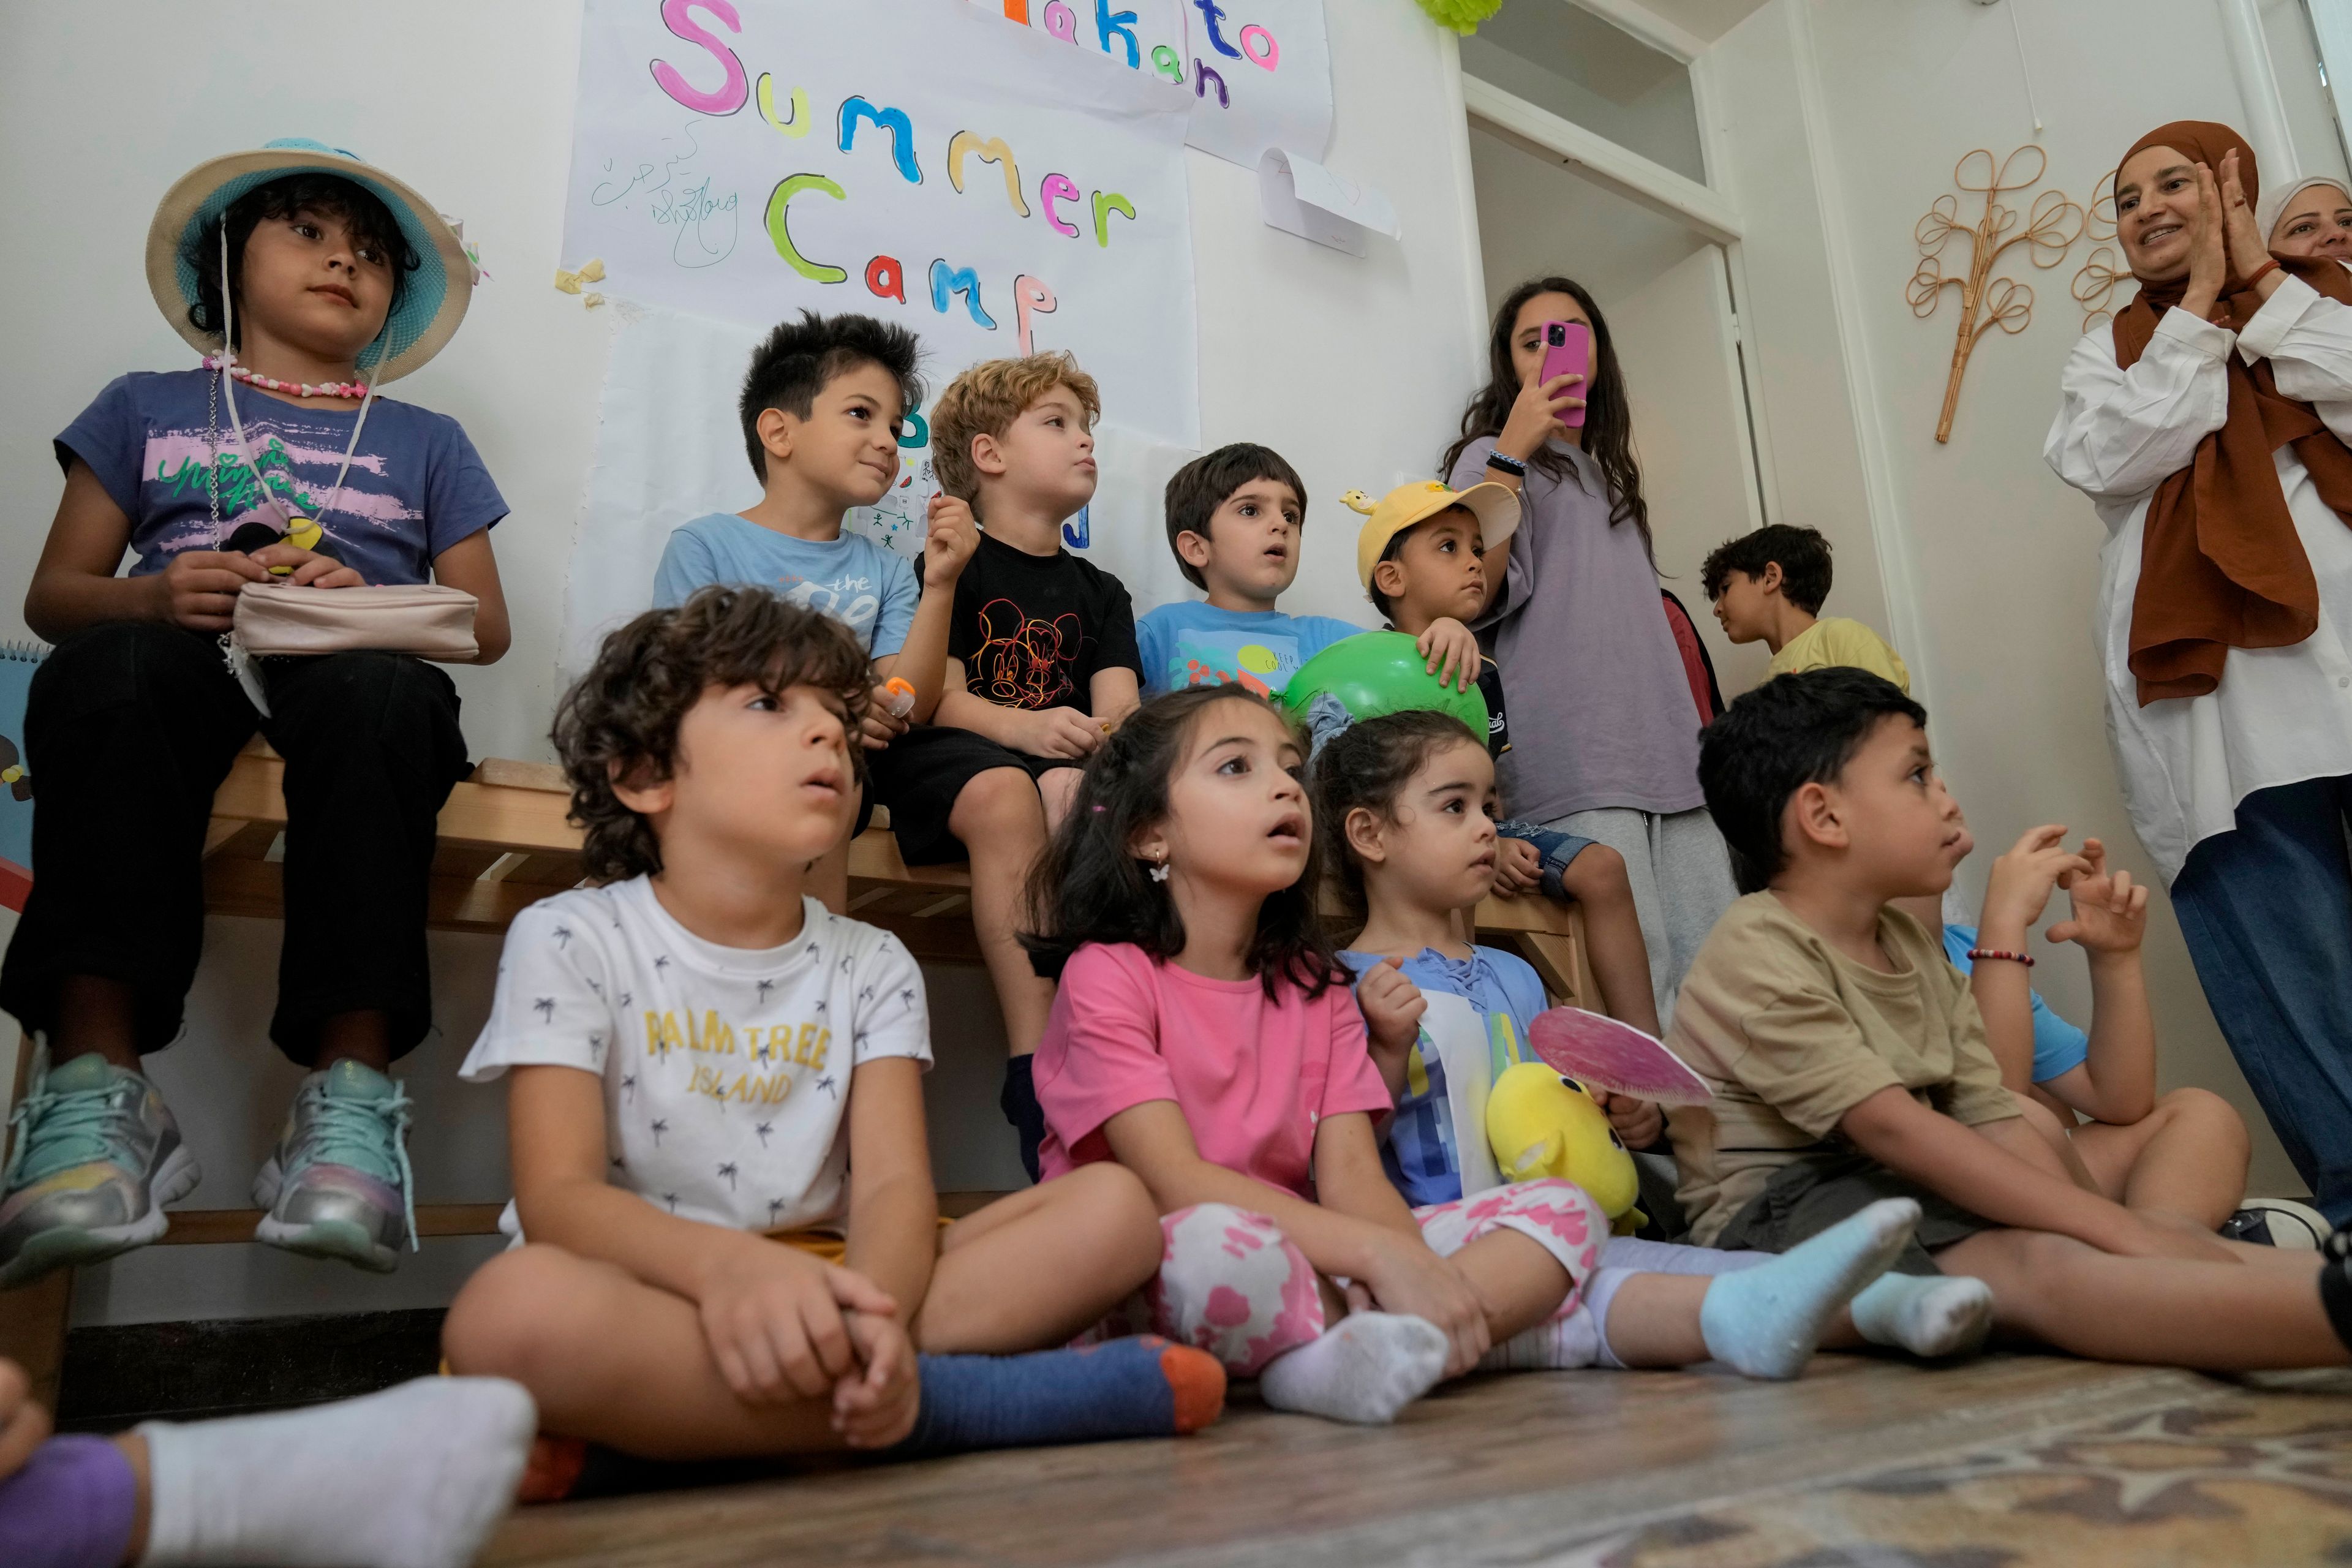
x=1205, y=1037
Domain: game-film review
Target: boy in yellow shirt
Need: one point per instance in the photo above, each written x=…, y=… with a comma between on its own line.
x=1770, y=585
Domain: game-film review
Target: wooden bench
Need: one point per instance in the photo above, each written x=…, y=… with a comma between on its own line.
x=505, y=843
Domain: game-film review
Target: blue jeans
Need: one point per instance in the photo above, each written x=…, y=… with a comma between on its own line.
x=1557, y=849
x=2267, y=912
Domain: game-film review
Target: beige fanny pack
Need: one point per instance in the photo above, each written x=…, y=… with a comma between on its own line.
x=427, y=621
x=276, y=619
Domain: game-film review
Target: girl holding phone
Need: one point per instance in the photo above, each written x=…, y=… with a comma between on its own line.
x=1609, y=747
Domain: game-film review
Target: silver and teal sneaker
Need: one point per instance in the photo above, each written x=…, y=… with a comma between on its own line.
x=338, y=1183
x=97, y=1156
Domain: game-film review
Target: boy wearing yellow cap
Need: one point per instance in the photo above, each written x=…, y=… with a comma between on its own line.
x=1419, y=557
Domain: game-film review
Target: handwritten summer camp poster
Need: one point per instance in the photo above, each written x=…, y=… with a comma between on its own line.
x=988, y=185
x=991, y=185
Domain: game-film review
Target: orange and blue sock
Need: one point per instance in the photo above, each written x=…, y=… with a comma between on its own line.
x=1141, y=1387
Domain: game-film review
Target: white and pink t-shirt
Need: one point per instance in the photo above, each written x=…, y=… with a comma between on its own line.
x=1253, y=1075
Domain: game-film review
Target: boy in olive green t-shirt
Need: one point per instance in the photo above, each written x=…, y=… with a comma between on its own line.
x=1849, y=1063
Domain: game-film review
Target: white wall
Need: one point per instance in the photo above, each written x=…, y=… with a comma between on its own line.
x=2002, y=557
x=1356, y=369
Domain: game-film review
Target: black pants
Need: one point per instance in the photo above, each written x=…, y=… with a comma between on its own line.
x=130, y=727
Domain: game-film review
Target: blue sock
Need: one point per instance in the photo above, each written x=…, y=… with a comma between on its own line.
x=1140, y=1387
x=1766, y=1320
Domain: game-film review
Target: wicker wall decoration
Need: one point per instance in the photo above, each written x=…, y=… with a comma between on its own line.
x=2052, y=225
x=2096, y=280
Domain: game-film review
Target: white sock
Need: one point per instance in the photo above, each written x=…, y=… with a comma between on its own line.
x=1364, y=1368
x=415, y=1477
x=1926, y=1314
x=1768, y=1320
x=1562, y=1344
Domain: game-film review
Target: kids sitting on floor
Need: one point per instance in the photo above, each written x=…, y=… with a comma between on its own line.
x=1235, y=518
x=304, y=272
x=1849, y=1063
x=716, y=1110
x=2178, y=1159
x=1205, y=1037
x=1418, y=555
x=1407, y=804
x=1770, y=585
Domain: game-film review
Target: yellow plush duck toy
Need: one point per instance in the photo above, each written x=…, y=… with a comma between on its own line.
x=1541, y=1123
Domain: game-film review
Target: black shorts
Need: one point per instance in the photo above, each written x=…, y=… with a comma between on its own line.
x=1806, y=1198
x=919, y=774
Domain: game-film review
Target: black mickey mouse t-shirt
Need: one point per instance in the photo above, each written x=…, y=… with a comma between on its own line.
x=1031, y=630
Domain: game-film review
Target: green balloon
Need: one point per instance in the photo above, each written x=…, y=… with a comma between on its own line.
x=1376, y=673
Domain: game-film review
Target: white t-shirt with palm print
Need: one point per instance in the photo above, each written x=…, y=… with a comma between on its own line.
x=726, y=1070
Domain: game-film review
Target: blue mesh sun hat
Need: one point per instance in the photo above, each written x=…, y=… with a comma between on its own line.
x=431, y=303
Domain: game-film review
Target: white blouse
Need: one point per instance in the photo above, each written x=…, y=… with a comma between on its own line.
x=2280, y=715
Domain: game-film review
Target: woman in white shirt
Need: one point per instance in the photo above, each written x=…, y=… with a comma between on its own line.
x=2206, y=423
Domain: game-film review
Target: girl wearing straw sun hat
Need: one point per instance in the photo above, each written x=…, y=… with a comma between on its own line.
x=308, y=278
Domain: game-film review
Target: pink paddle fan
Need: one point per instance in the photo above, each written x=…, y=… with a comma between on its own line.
x=1612, y=1055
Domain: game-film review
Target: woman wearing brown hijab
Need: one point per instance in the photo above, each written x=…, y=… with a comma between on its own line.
x=2207, y=424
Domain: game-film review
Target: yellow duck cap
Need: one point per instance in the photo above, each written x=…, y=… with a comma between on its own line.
x=1495, y=506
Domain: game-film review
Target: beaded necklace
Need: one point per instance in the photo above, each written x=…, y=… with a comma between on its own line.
x=350, y=389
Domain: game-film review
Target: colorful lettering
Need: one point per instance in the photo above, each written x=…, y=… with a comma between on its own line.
x=1271, y=57
x=1018, y=10
x=1168, y=63
x=778, y=200
x=992, y=150
x=1210, y=15
x=1106, y=203
x=1030, y=297
x=1120, y=25
x=902, y=133
x=884, y=279
x=1057, y=188
x=677, y=16
x=947, y=281
x=1061, y=21
x=796, y=124
x=1201, y=77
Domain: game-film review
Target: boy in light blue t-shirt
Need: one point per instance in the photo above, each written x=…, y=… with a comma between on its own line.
x=1234, y=522
x=821, y=406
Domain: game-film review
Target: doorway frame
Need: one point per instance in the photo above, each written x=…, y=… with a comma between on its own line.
x=1706, y=211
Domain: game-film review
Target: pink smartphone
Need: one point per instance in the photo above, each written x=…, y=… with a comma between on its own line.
x=1567, y=351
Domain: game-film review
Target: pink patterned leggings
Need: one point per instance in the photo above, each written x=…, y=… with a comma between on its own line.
x=1233, y=1284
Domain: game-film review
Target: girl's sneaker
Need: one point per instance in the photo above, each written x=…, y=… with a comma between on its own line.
x=96, y=1157
x=338, y=1183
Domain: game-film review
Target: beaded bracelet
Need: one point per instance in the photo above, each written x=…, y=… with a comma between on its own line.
x=1979, y=953
x=1507, y=463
